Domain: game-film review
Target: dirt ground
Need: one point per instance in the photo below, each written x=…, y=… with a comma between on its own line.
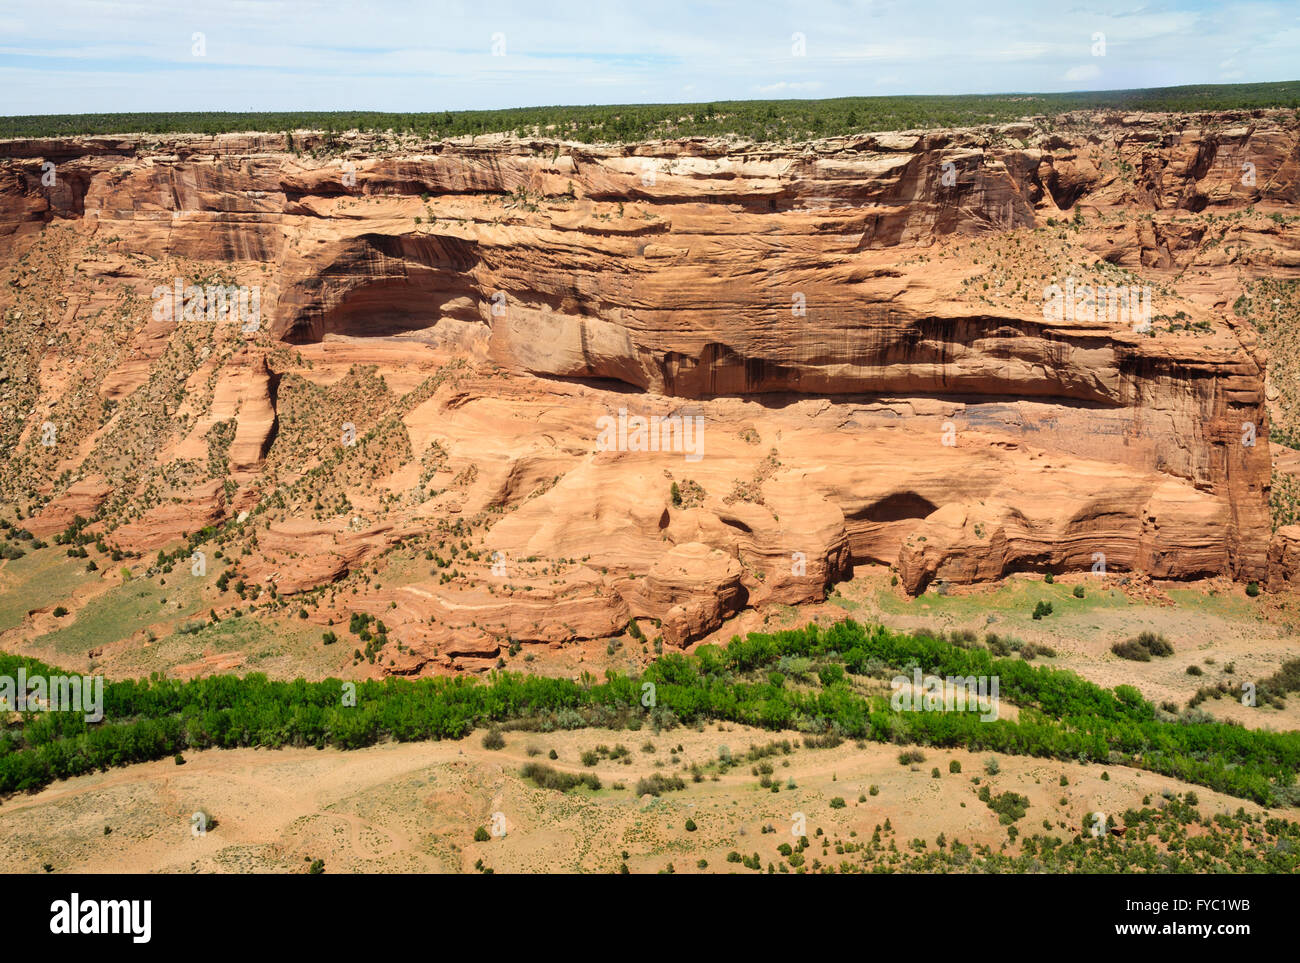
x=1212, y=625
x=406, y=808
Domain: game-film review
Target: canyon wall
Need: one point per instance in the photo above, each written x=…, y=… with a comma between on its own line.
x=858, y=324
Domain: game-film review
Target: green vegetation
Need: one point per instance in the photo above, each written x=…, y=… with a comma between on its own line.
x=1172, y=838
x=45, y=579
x=1009, y=806
x=1060, y=715
x=758, y=119
x=548, y=777
x=1273, y=690
x=656, y=784
x=1143, y=647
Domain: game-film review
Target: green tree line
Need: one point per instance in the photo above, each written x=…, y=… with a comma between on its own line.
x=765, y=120
x=1061, y=715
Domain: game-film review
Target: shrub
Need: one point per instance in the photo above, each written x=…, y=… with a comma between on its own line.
x=1131, y=650
x=690, y=825
x=909, y=756
x=1252, y=589
x=828, y=740
x=954, y=766
x=546, y=777
x=992, y=766
x=1042, y=608
x=838, y=803
x=494, y=740
x=1143, y=647
x=481, y=835
x=830, y=674
x=1009, y=806
x=1156, y=644
x=1079, y=592
x=657, y=783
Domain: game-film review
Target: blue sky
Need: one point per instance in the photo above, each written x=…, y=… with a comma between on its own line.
x=73, y=56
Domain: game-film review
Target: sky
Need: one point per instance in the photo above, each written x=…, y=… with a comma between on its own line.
x=92, y=56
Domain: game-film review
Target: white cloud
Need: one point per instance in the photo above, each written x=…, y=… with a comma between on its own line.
x=787, y=85
x=1081, y=73
x=91, y=55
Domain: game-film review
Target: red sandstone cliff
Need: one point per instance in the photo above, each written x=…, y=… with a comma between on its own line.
x=857, y=322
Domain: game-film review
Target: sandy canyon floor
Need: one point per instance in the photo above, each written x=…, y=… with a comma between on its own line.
x=415, y=807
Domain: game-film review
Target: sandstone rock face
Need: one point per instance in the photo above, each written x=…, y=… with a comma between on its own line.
x=695, y=587
x=1284, y=559
x=447, y=336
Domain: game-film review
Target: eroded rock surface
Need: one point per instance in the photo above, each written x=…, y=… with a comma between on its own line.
x=856, y=327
